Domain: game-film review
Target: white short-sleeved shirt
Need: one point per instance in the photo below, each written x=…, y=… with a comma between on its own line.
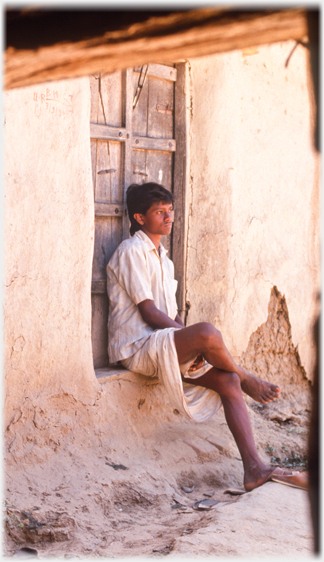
x=137, y=272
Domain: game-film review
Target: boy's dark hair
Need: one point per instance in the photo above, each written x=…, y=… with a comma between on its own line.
x=139, y=198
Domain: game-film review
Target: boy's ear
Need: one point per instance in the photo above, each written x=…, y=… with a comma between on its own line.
x=139, y=218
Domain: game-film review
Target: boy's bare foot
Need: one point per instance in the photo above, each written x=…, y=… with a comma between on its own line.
x=254, y=478
x=260, y=390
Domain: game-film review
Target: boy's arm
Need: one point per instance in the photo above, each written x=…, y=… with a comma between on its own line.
x=156, y=318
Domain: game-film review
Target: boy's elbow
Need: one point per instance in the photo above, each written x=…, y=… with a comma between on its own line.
x=147, y=310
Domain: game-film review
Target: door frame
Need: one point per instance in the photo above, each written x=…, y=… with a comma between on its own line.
x=181, y=176
x=179, y=145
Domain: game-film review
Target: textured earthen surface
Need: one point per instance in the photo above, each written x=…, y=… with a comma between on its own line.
x=198, y=32
x=112, y=484
x=107, y=479
x=254, y=194
x=95, y=469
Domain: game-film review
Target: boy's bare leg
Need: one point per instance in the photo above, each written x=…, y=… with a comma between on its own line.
x=204, y=338
x=229, y=388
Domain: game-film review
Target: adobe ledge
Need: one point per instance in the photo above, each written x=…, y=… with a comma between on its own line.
x=118, y=372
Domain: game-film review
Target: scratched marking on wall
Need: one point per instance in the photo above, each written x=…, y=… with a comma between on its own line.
x=52, y=102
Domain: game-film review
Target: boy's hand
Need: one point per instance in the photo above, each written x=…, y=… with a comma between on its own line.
x=156, y=318
x=198, y=363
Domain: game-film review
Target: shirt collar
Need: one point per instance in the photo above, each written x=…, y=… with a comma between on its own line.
x=149, y=244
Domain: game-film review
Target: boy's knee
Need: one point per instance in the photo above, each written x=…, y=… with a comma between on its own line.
x=209, y=334
x=233, y=380
x=231, y=386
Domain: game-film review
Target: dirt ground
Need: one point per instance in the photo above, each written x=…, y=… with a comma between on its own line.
x=123, y=478
x=139, y=501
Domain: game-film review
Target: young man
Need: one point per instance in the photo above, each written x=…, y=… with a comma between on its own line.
x=148, y=336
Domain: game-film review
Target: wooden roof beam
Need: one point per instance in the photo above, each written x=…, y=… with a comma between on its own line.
x=170, y=37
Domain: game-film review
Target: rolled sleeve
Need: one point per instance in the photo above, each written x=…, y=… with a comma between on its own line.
x=133, y=274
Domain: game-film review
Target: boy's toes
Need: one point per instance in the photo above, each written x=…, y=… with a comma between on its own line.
x=269, y=395
x=273, y=392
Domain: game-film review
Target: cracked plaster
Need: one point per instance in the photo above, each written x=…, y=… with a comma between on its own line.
x=60, y=423
x=254, y=181
x=49, y=252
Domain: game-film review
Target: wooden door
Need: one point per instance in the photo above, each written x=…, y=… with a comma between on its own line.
x=132, y=141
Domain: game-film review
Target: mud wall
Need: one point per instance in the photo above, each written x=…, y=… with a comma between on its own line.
x=48, y=252
x=54, y=403
x=254, y=208
x=253, y=225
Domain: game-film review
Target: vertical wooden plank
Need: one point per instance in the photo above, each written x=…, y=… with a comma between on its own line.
x=93, y=144
x=159, y=167
x=115, y=99
x=103, y=181
x=139, y=173
x=110, y=102
x=108, y=184
x=107, y=109
x=140, y=113
x=108, y=234
x=94, y=119
x=153, y=117
x=160, y=114
x=110, y=112
x=180, y=182
x=99, y=330
x=129, y=96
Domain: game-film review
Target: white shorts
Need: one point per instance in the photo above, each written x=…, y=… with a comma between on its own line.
x=158, y=358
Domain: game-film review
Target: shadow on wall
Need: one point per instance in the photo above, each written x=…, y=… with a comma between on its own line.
x=313, y=21
x=313, y=447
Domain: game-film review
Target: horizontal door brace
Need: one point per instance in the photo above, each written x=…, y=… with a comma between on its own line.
x=160, y=71
x=106, y=132
x=99, y=287
x=148, y=143
x=109, y=210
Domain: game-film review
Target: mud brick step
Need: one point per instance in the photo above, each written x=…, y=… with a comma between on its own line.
x=200, y=446
x=221, y=443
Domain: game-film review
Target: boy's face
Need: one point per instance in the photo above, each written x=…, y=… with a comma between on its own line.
x=157, y=220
